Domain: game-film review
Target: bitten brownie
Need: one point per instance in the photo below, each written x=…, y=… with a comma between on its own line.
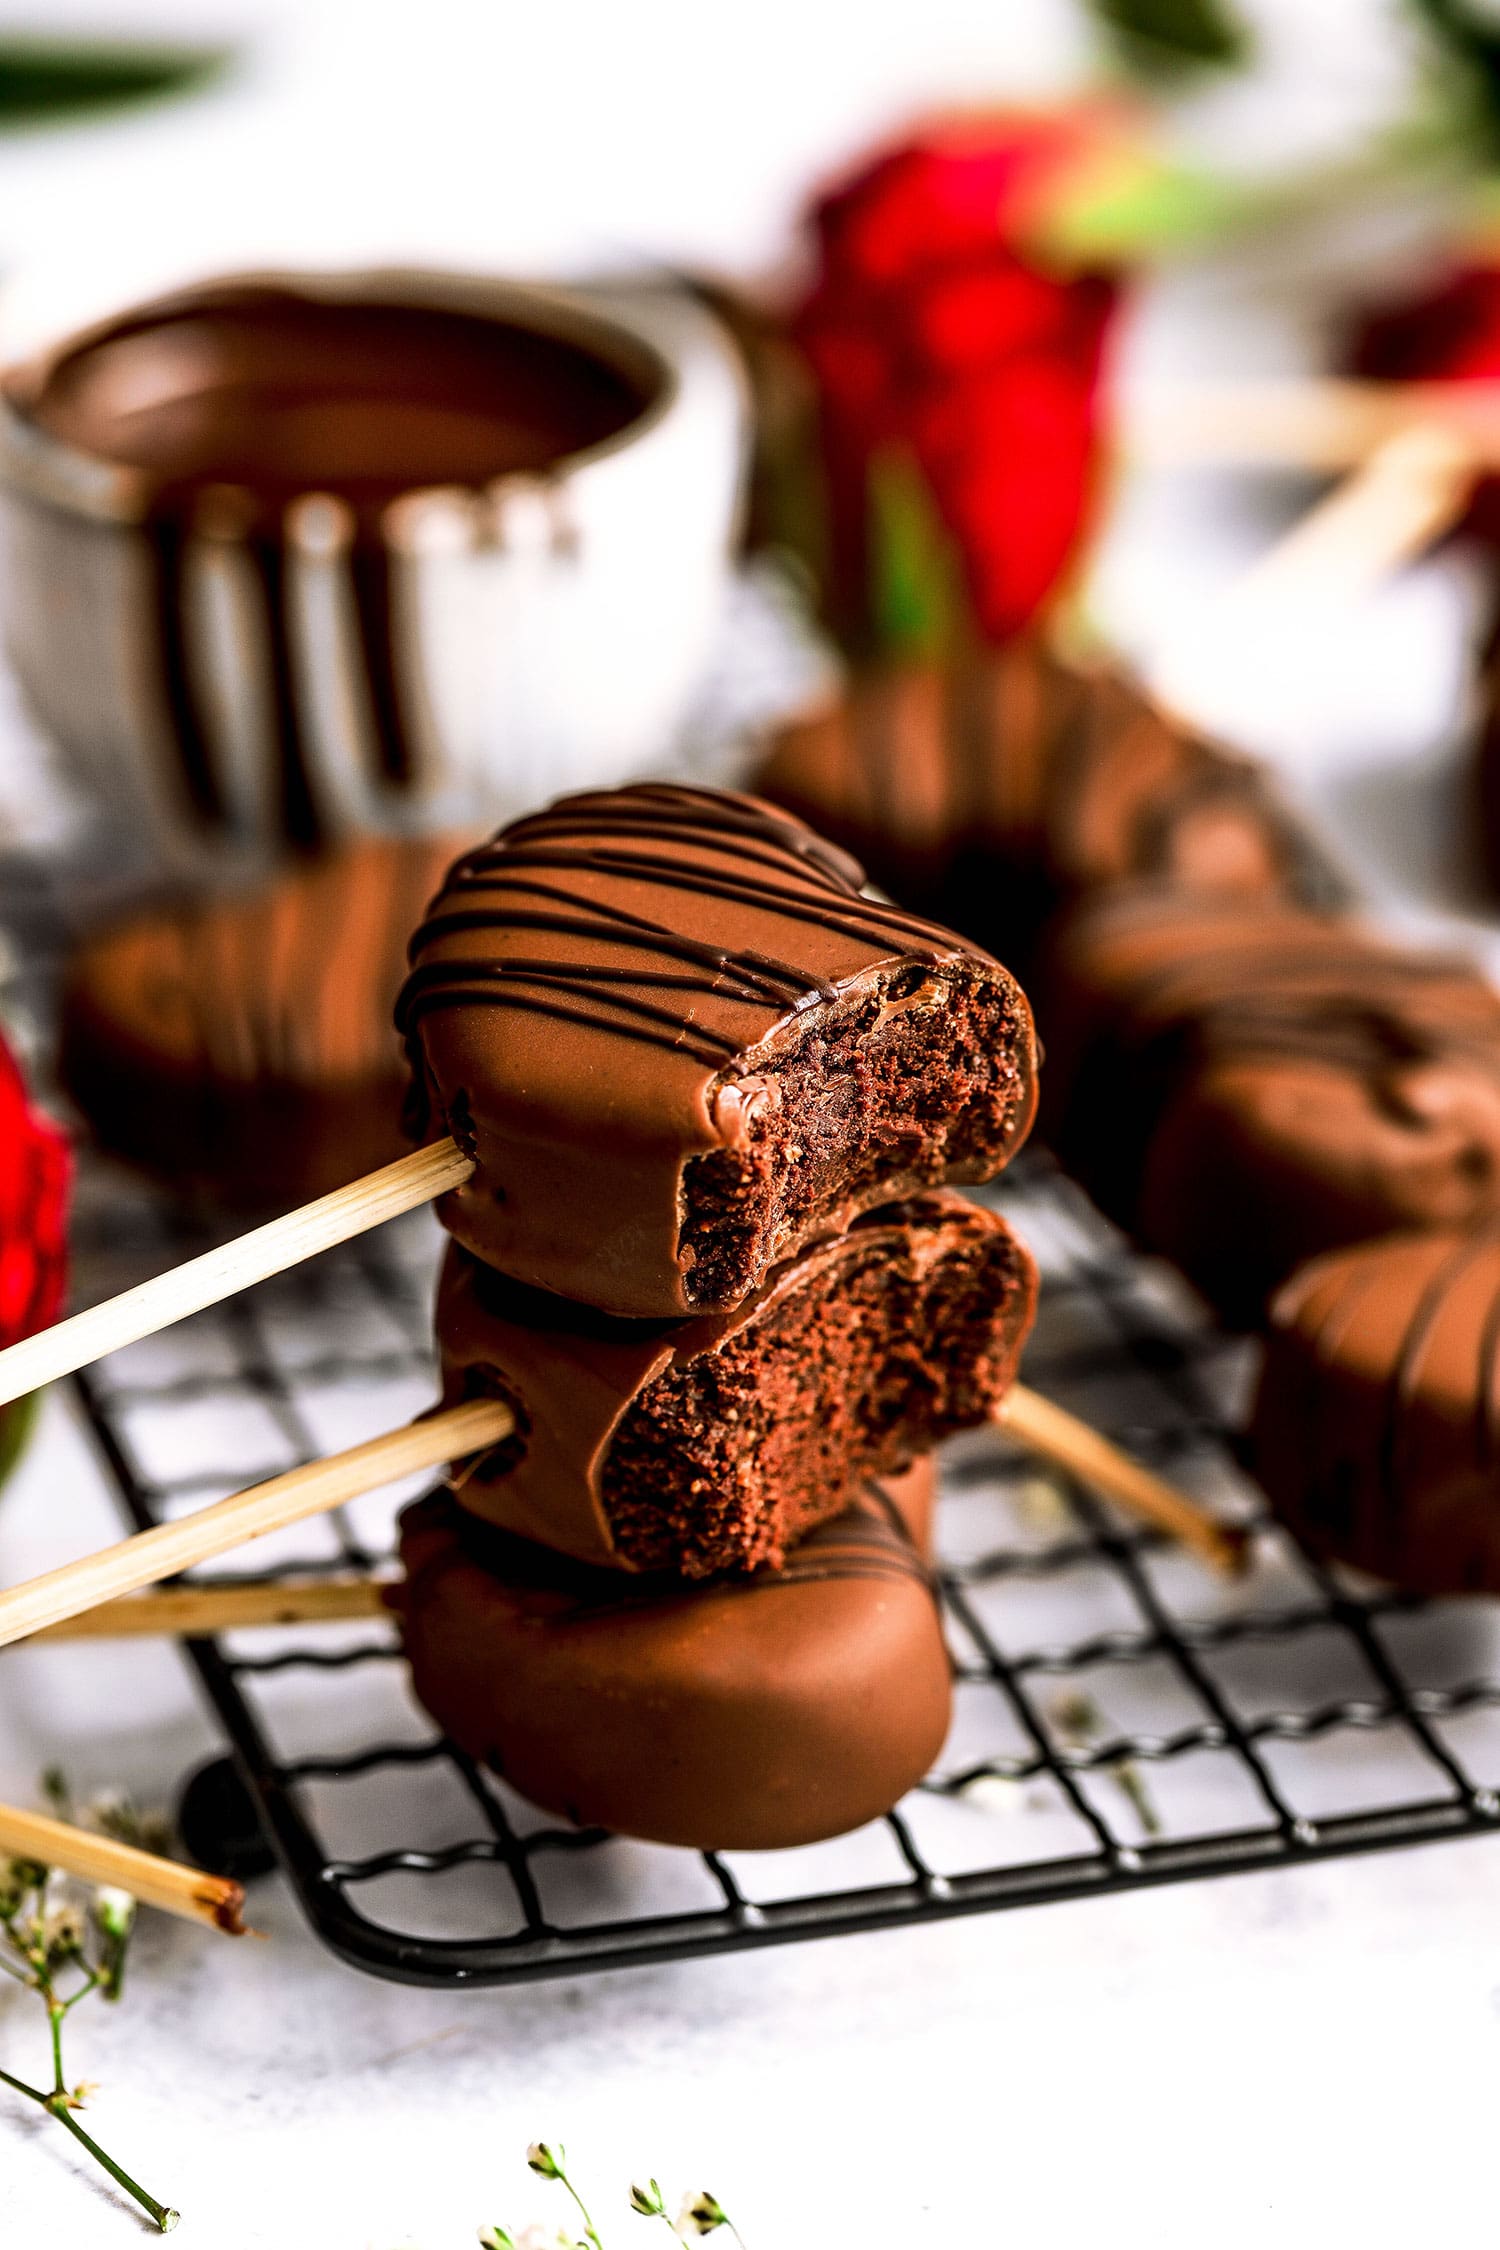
x=1245, y=1088
x=241, y=1047
x=750, y=1713
x=1376, y=1430
x=716, y=1443
x=678, y=1044
x=993, y=790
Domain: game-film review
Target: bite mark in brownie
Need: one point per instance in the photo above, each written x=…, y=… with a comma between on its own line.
x=887, y=1092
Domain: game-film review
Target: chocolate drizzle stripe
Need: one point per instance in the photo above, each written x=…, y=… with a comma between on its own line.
x=370, y=584
x=1487, y=1386
x=769, y=983
x=612, y=995
x=861, y=1569
x=600, y=809
x=196, y=770
x=419, y=1000
x=537, y=832
x=1334, y=1327
x=299, y=818
x=855, y=1564
x=862, y=918
x=1406, y=1374
x=683, y=1041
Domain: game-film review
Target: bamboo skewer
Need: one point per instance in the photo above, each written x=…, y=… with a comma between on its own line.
x=1317, y=423
x=103, y=1590
x=217, y=1274
x=1036, y=1423
x=188, y=1892
x=309, y=1491
x=1414, y=487
x=196, y=1612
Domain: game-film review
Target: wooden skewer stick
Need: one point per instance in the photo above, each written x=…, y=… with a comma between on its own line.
x=234, y=1266
x=1316, y=423
x=171, y=1547
x=185, y=1891
x=196, y=1612
x=100, y=1594
x=1414, y=487
x=1061, y=1438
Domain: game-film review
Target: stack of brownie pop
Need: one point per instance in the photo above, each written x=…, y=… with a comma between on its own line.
x=710, y=1258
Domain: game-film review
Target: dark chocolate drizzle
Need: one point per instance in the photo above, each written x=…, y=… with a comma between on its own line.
x=804, y=880
x=1342, y=1002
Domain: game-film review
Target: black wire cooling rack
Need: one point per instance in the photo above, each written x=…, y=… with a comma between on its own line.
x=1122, y=1718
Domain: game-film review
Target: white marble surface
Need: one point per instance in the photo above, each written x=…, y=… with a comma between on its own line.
x=1300, y=2058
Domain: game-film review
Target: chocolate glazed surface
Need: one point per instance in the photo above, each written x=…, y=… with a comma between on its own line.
x=242, y=1045
x=994, y=790
x=594, y=996
x=1376, y=1428
x=233, y=401
x=748, y=1713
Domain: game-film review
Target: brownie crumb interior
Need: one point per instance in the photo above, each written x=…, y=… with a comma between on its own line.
x=726, y=1459
x=888, y=1091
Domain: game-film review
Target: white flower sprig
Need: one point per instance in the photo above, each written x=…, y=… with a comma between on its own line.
x=63, y=1943
x=697, y=2216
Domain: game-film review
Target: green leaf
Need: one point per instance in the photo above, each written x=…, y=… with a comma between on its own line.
x=1173, y=38
x=45, y=82
x=1468, y=35
x=916, y=594
x=1149, y=209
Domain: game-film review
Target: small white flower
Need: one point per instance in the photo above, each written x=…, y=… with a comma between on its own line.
x=63, y=1929
x=114, y=1911
x=998, y=1793
x=547, y=2162
x=702, y=2212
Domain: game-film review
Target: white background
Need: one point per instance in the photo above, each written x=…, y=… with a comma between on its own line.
x=1298, y=2059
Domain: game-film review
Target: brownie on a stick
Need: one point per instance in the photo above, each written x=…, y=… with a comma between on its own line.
x=679, y=1043
x=995, y=788
x=754, y=1712
x=1376, y=1429
x=716, y=1443
x=240, y=1048
x=1243, y=1088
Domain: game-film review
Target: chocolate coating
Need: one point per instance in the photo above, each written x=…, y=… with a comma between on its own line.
x=1243, y=1089
x=994, y=790
x=715, y=1443
x=745, y=1714
x=679, y=1043
x=1376, y=1429
x=242, y=1047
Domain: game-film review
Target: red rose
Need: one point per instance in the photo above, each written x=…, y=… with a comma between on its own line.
x=34, y=1172
x=1447, y=334
x=932, y=333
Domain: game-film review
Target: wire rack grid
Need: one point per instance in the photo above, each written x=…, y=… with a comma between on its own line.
x=1122, y=1719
